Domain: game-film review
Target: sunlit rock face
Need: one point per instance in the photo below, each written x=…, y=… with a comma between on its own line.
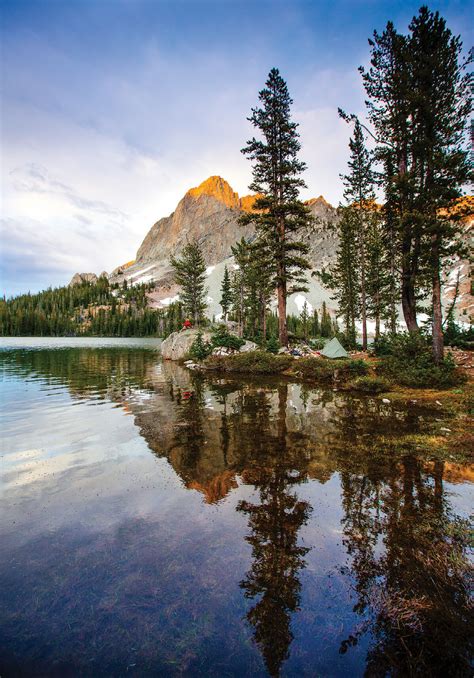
x=209, y=213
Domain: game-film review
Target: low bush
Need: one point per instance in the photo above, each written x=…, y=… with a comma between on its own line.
x=371, y=385
x=408, y=361
x=221, y=337
x=457, y=335
x=327, y=371
x=252, y=362
x=273, y=345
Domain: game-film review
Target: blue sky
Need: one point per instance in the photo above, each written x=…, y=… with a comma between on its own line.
x=112, y=109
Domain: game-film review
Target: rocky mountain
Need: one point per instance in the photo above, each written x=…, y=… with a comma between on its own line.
x=209, y=213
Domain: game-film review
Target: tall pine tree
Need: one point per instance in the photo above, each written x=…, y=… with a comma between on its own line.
x=359, y=193
x=419, y=103
x=280, y=216
x=344, y=276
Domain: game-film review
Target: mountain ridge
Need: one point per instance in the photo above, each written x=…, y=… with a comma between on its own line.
x=209, y=213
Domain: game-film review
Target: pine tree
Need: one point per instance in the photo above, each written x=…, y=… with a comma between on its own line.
x=359, y=193
x=226, y=298
x=251, y=287
x=280, y=215
x=419, y=103
x=326, y=324
x=314, y=324
x=377, y=279
x=304, y=317
x=344, y=276
x=441, y=102
x=190, y=274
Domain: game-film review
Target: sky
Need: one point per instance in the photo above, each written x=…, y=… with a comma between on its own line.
x=112, y=109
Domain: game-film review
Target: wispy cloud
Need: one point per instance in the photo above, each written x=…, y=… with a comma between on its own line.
x=34, y=178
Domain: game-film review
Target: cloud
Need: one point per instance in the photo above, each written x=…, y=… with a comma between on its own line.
x=34, y=178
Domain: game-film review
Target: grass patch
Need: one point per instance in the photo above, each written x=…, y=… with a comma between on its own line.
x=252, y=362
x=325, y=371
x=372, y=385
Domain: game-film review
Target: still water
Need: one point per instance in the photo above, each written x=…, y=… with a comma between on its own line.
x=158, y=523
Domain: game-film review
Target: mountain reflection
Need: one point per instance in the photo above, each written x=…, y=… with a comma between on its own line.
x=406, y=549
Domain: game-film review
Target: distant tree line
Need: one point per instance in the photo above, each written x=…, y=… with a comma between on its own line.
x=88, y=309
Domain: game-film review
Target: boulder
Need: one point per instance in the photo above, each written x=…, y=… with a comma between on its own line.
x=223, y=350
x=248, y=346
x=178, y=344
x=79, y=278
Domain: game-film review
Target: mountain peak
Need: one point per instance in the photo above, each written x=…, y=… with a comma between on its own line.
x=218, y=188
x=321, y=200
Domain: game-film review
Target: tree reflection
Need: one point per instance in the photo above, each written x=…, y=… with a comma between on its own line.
x=414, y=594
x=276, y=556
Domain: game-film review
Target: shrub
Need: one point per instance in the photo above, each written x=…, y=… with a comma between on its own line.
x=327, y=371
x=408, y=345
x=252, y=362
x=456, y=335
x=371, y=384
x=273, y=345
x=409, y=362
x=222, y=337
x=317, y=343
x=200, y=349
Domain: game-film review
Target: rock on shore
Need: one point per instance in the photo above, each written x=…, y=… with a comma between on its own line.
x=178, y=344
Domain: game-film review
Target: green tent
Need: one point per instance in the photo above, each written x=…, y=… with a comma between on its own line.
x=334, y=349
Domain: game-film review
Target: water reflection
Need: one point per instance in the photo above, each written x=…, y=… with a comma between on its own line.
x=274, y=524
x=414, y=589
x=273, y=445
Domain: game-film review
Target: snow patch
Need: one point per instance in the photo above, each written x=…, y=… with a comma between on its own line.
x=300, y=300
x=140, y=280
x=169, y=300
x=453, y=275
x=140, y=272
x=209, y=270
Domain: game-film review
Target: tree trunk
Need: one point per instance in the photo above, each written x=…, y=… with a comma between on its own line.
x=409, y=301
x=377, y=318
x=438, y=341
x=362, y=280
x=281, y=286
x=282, y=328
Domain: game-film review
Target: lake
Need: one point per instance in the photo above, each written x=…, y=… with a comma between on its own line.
x=155, y=522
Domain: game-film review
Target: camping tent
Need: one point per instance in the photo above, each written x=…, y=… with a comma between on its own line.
x=334, y=349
